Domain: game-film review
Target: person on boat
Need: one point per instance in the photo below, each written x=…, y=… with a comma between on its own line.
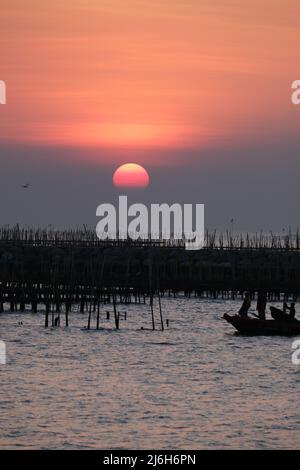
x=261, y=305
x=243, y=312
x=292, y=311
x=284, y=308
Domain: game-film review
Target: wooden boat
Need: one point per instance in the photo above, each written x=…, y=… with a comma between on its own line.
x=254, y=326
x=279, y=315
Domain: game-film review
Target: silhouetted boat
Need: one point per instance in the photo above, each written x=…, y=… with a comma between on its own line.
x=254, y=326
x=279, y=315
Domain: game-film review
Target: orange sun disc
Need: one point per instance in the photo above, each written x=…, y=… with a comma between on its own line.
x=131, y=175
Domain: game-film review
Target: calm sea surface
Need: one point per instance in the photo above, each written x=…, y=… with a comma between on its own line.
x=196, y=385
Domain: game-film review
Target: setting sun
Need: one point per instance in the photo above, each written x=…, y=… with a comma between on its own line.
x=131, y=175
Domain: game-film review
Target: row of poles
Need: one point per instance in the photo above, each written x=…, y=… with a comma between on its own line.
x=53, y=314
x=286, y=240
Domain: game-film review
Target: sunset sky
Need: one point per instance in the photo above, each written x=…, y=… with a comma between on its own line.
x=198, y=92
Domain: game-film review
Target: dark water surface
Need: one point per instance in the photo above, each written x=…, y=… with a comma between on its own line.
x=196, y=385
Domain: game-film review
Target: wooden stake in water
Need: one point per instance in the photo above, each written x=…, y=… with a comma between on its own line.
x=152, y=313
x=98, y=316
x=160, y=313
x=151, y=296
x=117, y=317
x=46, y=318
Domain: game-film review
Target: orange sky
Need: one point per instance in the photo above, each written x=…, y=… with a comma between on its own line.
x=148, y=73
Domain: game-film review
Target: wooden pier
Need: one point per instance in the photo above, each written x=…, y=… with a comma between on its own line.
x=59, y=272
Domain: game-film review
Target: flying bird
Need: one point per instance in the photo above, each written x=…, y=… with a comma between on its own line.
x=25, y=186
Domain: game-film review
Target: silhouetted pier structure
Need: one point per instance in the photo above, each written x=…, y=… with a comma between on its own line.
x=60, y=269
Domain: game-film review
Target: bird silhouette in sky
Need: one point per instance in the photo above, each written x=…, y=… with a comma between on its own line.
x=25, y=186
